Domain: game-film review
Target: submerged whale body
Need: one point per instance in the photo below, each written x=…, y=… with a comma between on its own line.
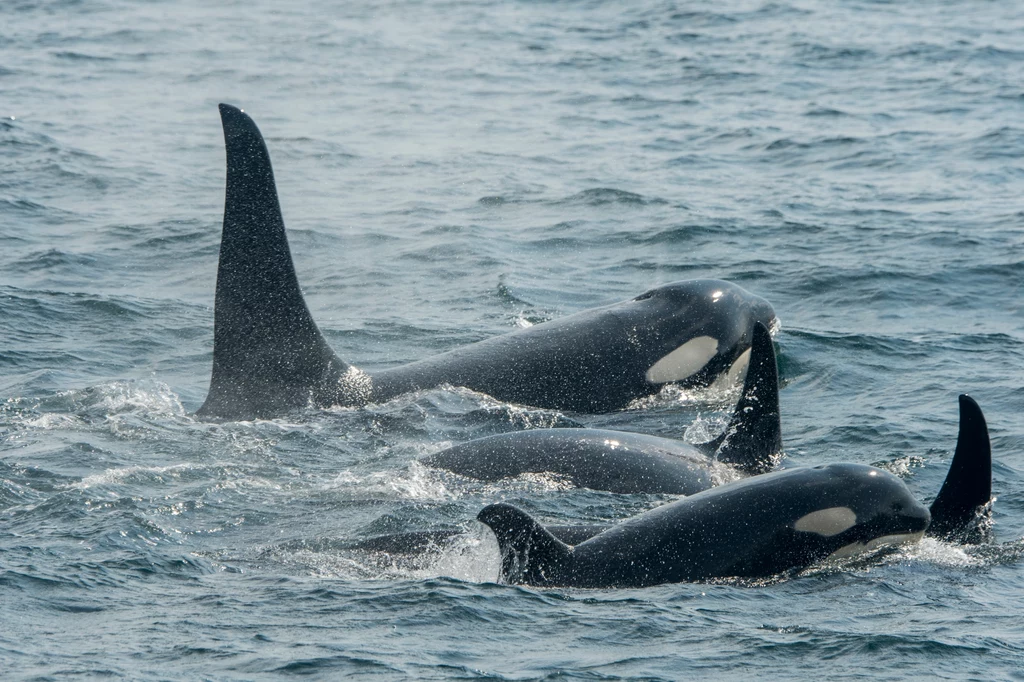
x=755, y=528
x=622, y=462
x=421, y=541
x=270, y=358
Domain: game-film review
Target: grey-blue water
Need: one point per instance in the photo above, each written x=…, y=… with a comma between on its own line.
x=450, y=170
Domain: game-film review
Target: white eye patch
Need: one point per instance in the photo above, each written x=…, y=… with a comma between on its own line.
x=684, y=361
x=736, y=375
x=738, y=371
x=826, y=522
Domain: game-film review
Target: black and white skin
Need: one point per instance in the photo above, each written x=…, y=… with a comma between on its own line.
x=760, y=526
x=270, y=358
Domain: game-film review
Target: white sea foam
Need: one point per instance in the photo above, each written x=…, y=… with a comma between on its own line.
x=940, y=553
x=902, y=466
x=724, y=393
x=704, y=428
x=417, y=482
x=120, y=475
x=473, y=556
x=152, y=397
x=521, y=321
x=52, y=420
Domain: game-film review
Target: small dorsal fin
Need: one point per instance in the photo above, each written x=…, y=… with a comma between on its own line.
x=752, y=442
x=959, y=507
x=268, y=354
x=529, y=553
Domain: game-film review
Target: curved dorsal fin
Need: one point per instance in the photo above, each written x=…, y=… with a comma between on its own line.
x=268, y=354
x=958, y=508
x=752, y=442
x=529, y=553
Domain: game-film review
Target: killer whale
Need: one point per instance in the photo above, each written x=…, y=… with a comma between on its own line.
x=757, y=527
x=269, y=356
x=622, y=462
x=615, y=461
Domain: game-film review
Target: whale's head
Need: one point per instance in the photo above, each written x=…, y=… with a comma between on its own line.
x=841, y=510
x=702, y=331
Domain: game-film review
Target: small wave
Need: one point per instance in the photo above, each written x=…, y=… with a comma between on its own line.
x=1005, y=142
x=81, y=56
x=51, y=259
x=71, y=409
x=135, y=474
x=993, y=554
x=24, y=206
x=506, y=294
x=601, y=196
x=49, y=422
x=493, y=201
x=596, y=196
x=830, y=56
x=828, y=112
x=785, y=143
x=119, y=397
x=703, y=18
x=901, y=466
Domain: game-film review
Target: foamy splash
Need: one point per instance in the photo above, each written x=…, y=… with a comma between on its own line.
x=671, y=395
x=130, y=474
x=473, y=557
x=417, y=482
x=108, y=402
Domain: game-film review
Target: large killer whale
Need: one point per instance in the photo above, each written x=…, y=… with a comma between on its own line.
x=270, y=358
x=757, y=527
x=622, y=462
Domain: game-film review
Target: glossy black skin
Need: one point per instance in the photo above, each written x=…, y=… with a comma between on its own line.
x=614, y=461
x=623, y=462
x=741, y=529
x=270, y=357
x=596, y=360
x=961, y=511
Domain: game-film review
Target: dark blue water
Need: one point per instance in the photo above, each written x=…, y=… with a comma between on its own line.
x=449, y=171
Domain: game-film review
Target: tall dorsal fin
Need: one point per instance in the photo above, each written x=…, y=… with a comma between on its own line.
x=967, y=490
x=529, y=553
x=752, y=441
x=268, y=354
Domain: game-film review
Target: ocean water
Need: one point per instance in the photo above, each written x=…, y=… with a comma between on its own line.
x=450, y=171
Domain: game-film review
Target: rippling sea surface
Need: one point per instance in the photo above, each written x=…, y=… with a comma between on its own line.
x=450, y=171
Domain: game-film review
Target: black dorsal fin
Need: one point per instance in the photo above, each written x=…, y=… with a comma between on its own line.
x=269, y=356
x=958, y=509
x=752, y=442
x=529, y=553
